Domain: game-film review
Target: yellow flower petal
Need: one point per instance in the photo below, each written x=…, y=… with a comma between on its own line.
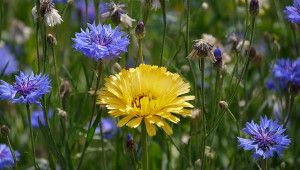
x=150, y=128
x=123, y=121
x=135, y=122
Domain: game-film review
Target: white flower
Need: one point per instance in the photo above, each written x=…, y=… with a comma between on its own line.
x=49, y=13
x=117, y=15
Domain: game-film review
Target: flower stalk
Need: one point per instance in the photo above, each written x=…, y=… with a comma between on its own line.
x=144, y=147
x=31, y=136
x=100, y=68
x=202, y=65
x=140, y=51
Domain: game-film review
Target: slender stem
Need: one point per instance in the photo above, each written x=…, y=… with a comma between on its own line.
x=163, y=6
x=100, y=68
x=1, y=17
x=147, y=11
x=216, y=93
x=202, y=63
x=102, y=142
x=37, y=35
x=239, y=80
x=144, y=147
x=56, y=75
x=295, y=40
x=289, y=110
x=44, y=42
x=12, y=152
x=31, y=136
x=140, y=51
x=265, y=164
x=96, y=5
x=86, y=11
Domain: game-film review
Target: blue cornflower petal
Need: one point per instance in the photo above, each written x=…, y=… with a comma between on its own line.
x=293, y=12
x=7, y=59
x=6, y=158
x=285, y=72
x=266, y=138
x=27, y=89
x=38, y=114
x=101, y=42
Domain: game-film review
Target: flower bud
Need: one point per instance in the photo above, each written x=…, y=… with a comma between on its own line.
x=276, y=46
x=130, y=144
x=62, y=114
x=258, y=60
x=65, y=89
x=223, y=105
x=4, y=130
x=218, y=56
x=204, y=6
x=70, y=2
x=116, y=68
x=254, y=8
x=282, y=165
x=252, y=52
x=140, y=30
x=196, y=114
x=198, y=163
x=185, y=69
x=294, y=89
x=51, y=40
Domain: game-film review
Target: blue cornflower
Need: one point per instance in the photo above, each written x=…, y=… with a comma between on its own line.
x=265, y=138
x=109, y=128
x=39, y=114
x=218, y=53
x=293, y=12
x=7, y=58
x=6, y=158
x=101, y=42
x=27, y=89
x=285, y=73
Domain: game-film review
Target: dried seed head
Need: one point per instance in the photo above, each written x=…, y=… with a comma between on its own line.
x=62, y=114
x=202, y=48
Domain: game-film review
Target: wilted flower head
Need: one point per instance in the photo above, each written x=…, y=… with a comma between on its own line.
x=254, y=8
x=293, y=12
x=38, y=114
x=27, y=89
x=117, y=14
x=154, y=4
x=8, y=62
x=146, y=93
x=201, y=48
x=101, y=42
x=6, y=158
x=266, y=138
x=285, y=73
x=48, y=12
x=19, y=33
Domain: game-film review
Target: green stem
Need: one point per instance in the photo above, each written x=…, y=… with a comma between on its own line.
x=86, y=11
x=265, y=164
x=1, y=17
x=100, y=68
x=12, y=151
x=56, y=75
x=289, y=110
x=140, y=51
x=202, y=63
x=144, y=147
x=163, y=6
x=147, y=11
x=239, y=80
x=31, y=136
x=102, y=142
x=295, y=40
x=37, y=35
x=96, y=5
x=216, y=94
x=44, y=42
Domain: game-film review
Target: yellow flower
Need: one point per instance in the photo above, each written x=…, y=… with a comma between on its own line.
x=146, y=93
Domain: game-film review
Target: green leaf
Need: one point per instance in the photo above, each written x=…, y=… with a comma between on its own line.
x=52, y=146
x=91, y=132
